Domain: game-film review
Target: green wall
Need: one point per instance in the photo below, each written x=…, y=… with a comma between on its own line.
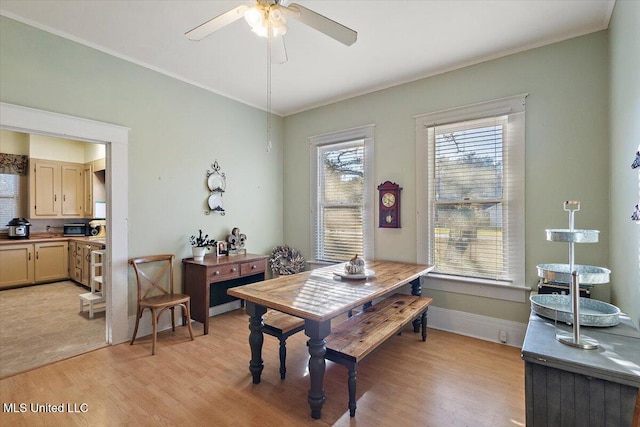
x=624, y=141
x=567, y=154
x=177, y=132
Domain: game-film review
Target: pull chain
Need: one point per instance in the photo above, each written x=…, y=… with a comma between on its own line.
x=269, y=38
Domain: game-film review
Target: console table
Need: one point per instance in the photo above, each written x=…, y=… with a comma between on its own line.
x=573, y=387
x=207, y=281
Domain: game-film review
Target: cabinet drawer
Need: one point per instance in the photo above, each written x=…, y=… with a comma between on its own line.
x=254, y=267
x=223, y=272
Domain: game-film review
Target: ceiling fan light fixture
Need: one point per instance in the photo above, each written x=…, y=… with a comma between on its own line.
x=261, y=18
x=254, y=16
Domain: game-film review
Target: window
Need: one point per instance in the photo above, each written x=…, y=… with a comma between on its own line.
x=471, y=193
x=342, y=186
x=9, y=198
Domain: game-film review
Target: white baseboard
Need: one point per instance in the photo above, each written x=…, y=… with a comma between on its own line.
x=459, y=322
x=146, y=328
x=476, y=326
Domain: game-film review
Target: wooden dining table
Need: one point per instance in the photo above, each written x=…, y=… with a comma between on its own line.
x=317, y=296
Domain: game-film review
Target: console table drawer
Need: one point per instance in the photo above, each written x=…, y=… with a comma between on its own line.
x=254, y=267
x=223, y=272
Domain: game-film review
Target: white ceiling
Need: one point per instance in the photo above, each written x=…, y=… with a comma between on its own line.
x=398, y=41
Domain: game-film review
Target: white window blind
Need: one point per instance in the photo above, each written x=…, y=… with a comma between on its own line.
x=468, y=211
x=9, y=198
x=470, y=182
x=342, y=218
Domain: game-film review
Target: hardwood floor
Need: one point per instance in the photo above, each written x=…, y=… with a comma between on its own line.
x=449, y=380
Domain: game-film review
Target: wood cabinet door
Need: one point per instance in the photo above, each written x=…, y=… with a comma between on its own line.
x=87, y=201
x=44, y=185
x=71, y=262
x=16, y=265
x=52, y=261
x=72, y=190
x=86, y=264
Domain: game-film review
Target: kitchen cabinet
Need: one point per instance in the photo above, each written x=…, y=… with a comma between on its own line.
x=56, y=189
x=87, y=196
x=16, y=265
x=72, y=190
x=75, y=261
x=28, y=263
x=80, y=261
x=51, y=261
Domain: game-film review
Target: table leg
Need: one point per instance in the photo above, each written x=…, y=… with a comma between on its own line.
x=256, y=338
x=416, y=289
x=317, y=332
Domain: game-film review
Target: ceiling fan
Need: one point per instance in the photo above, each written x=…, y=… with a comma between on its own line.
x=268, y=18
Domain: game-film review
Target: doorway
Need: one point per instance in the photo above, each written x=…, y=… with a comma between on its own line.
x=116, y=139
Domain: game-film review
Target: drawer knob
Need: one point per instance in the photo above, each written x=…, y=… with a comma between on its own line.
x=217, y=273
x=233, y=270
x=253, y=266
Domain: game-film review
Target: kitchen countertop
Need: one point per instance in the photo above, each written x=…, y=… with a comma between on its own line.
x=51, y=237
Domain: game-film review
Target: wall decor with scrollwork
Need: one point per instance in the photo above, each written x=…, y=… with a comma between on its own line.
x=217, y=183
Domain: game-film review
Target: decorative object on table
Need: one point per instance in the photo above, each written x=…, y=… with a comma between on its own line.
x=235, y=242
x=593, y=313
x=341, y=274
x=217, y=183
x=573, y=275
x=221, y=248
x=200, y=244
x=354, y=270
x=354, y=266
x=285, y=260
x=389, y=205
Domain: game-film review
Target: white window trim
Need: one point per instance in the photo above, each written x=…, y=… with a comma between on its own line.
x=364, y=132
x=517, y=290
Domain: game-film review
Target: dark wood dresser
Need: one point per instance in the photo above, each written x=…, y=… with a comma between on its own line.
x=207, y=281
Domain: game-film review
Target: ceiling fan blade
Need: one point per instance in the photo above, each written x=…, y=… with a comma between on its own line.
x=213, y=25
x=278, y=51
x=323, y=24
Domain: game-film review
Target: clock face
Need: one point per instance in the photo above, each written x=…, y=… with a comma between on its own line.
x=388, y=199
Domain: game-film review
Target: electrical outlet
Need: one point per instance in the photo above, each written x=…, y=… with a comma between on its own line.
x=502, y=336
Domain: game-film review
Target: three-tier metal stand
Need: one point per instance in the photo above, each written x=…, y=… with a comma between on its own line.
x=574, y=274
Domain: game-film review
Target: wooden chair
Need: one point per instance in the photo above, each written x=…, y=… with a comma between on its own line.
x=154, y=295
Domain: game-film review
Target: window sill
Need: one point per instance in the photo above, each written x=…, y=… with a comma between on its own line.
x=475, y=287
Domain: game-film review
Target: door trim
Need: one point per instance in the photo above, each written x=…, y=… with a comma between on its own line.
x=116, y=139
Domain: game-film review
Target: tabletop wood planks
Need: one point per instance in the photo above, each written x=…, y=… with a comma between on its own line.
x=319, y=295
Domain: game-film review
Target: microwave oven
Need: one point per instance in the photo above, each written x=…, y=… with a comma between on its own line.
x=74, y=229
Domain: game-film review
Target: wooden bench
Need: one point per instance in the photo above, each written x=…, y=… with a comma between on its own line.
x=355, y=338
x=281, y=326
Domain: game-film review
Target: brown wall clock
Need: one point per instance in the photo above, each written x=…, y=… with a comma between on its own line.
x=389, y=205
